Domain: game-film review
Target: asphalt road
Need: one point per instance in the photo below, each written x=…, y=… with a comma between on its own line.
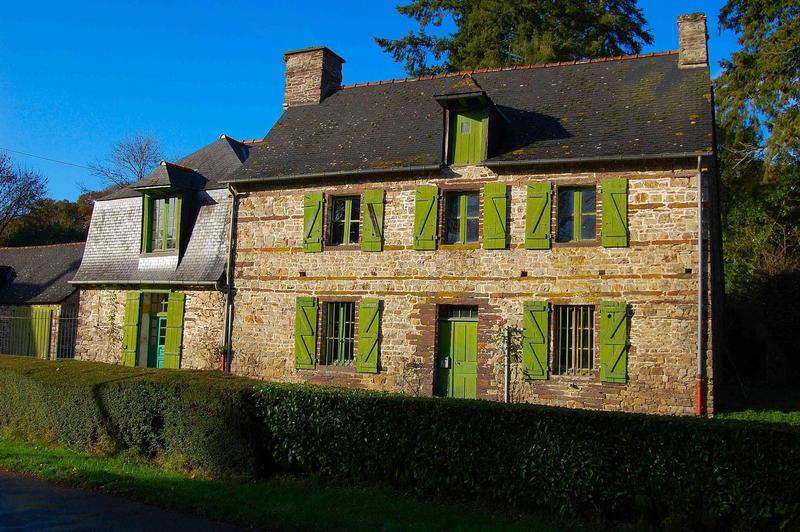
x=36, y=505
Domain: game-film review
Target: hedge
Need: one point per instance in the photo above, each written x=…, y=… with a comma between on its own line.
x=666, y=471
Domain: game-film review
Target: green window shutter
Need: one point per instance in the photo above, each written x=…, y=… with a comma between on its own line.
x=536, y=339
x=130, y=330
x=614, y=341
x=40, y=327
x=172, y=347
x=147, y=219
x=495, y=225
x=372, y=228
x=178, y=208
x=615, y=213
x=305, y=333
x=537, y=216
x=425, y=217
x=312, y=222
x=369, y=325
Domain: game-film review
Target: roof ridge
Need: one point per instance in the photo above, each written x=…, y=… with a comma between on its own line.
x=243, y=141
x=515, y=67
x=43, y=245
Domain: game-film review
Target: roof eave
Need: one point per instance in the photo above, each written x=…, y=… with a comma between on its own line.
x=141, y=282
x=367, y=171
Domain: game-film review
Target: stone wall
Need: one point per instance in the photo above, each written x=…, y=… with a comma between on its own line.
x=656, y=275
x=102, y=314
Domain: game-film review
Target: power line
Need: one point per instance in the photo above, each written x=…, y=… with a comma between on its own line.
x=46, y=158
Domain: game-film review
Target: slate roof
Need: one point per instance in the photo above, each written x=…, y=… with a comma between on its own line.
x=611, y=108
x=171, y=175
x=211, y=164
x=113, y=245
x=38, y=274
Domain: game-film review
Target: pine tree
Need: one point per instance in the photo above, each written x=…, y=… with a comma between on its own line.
x=495, y=33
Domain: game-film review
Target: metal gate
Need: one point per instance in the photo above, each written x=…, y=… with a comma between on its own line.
x=39, y=331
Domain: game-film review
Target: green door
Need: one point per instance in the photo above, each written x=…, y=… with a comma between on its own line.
x=457, y=368
x=157, y=340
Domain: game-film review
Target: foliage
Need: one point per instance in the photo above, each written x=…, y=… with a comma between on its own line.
x=276, y=504
x=666, y=471
x=52, y=222
x=505, y=32
x=131, y=159
x=760, y=85
x=20, y=191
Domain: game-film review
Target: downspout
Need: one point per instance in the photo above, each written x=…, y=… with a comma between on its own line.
x=701, y=270
x=226, y=361
x=507, y=376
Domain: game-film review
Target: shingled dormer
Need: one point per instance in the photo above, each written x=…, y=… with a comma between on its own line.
x=472, y=122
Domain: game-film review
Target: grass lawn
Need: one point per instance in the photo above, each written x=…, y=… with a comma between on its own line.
x=283, y=503
x=771, y=405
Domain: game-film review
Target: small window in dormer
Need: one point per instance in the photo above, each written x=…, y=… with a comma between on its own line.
x=161, y=223
x=468, y=141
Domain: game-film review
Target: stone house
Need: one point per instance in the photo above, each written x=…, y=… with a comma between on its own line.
x=152, y=274
x=38, y=305
x=546, y=234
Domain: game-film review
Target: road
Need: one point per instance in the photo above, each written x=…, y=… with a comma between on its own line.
x=28, y=504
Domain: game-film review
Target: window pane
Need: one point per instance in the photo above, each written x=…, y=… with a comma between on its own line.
x=472, y=230
x=473, y=205
x=337, y=232
x=171, y=222
x=588, y=229
x=355, y=218
x=588, y=200
x=337, y=212
x=157, y=224
x=566, y=205
x=452, y=218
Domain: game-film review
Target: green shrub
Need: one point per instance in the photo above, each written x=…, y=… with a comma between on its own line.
x=674, y=472
x=201, y=420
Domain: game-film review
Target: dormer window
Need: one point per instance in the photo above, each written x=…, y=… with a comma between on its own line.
x=473, y=123
x=161, y=223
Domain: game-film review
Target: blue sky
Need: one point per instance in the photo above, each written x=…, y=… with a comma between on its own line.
x=75, y=78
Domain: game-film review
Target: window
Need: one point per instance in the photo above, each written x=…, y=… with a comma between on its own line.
x=339, y=334
x=576, y=214
x=466, y=141
x=461, y=217
x=453, y=312
x=162, y=218
x=574, y=340
x=345, y=217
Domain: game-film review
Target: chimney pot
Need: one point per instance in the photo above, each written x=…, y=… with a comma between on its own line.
x=693, y=40
x=312, y=74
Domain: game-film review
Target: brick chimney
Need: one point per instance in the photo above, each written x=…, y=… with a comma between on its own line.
x=693, y=39
x=311, y=75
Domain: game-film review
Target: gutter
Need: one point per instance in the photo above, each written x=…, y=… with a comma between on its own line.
x=228, y=334
x=425, y=168
x=140, y=282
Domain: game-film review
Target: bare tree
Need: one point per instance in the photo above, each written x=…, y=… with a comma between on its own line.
x=20, y=191
x=130, y=160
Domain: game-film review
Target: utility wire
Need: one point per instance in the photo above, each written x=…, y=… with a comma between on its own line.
x=45, y=158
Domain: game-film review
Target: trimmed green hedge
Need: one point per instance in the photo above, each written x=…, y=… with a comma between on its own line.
x=665, y=471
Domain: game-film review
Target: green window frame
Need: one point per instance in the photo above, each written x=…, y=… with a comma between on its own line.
x=461, y=215
x=574, y=339
x=577, y=214
x=339, y=331
x=345, y=220
x=162, y=223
